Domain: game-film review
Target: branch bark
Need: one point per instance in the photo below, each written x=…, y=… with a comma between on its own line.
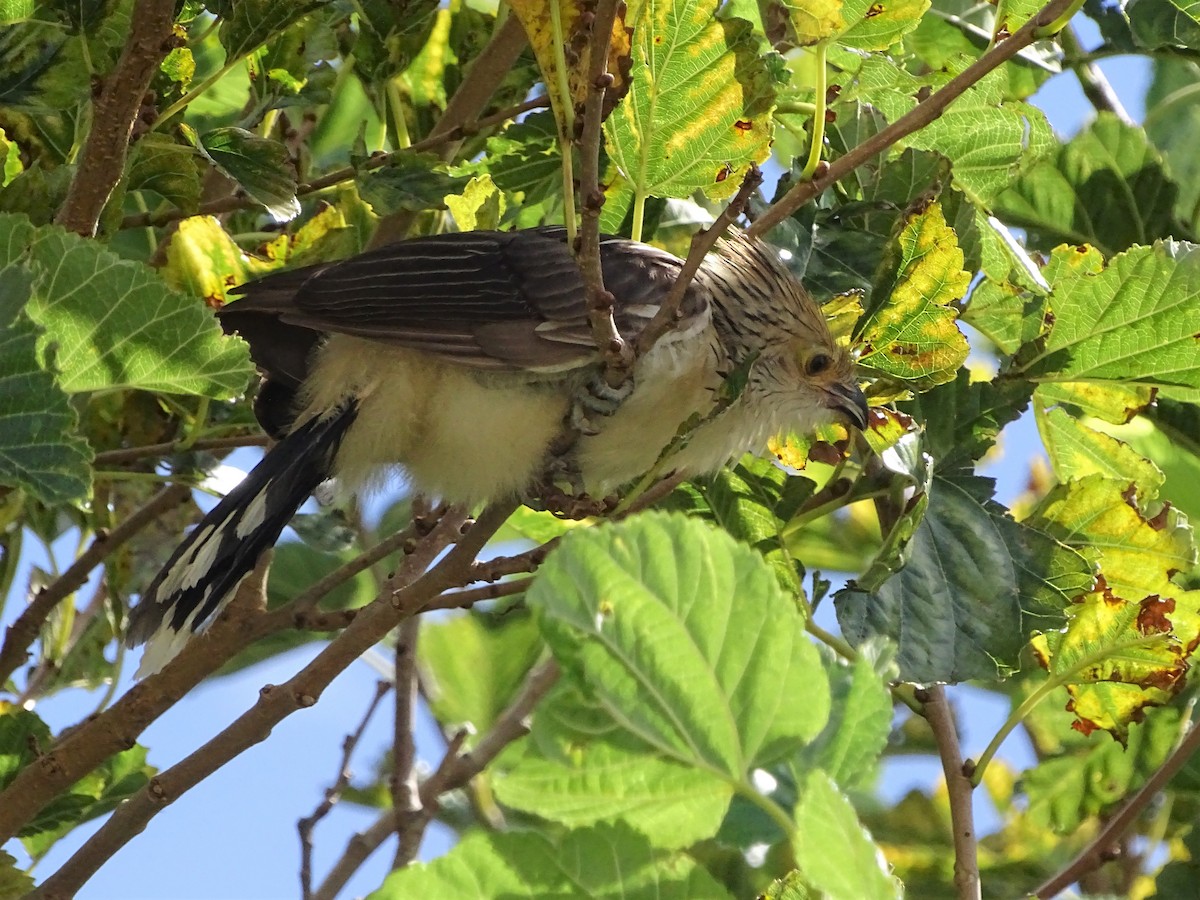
x=914, y=120
x=102, y=161
x=962, y=819
x=275, y=703
x=1094, y=854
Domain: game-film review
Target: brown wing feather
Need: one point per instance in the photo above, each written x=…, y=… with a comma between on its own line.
x=491, y=300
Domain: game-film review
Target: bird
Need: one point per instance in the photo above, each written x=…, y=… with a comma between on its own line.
x=458, y=357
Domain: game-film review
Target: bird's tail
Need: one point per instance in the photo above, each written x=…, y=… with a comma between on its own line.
x=217, y=554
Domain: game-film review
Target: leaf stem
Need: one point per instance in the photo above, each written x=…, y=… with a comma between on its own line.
x=566, y=121
x=818, y=121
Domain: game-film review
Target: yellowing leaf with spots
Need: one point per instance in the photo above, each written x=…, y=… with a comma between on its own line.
x=698, y=109
x=537, y=19
x=203, y=260
x=911, y=335
x=1126, y=641
x=861, y=24
x=877, y=24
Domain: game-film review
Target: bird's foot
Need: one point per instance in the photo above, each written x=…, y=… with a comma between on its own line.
x=598, y=398
x=565, y=505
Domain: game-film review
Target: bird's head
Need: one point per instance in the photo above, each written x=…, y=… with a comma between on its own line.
x=762, y=310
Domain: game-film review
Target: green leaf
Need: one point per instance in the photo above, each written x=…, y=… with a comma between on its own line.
x=581, y=767
x=1007, y=314
x=911, y=334
x=413, y=181
x=973, y=586
x=1106, y=187
x=833, y=851
x=849, y=747
x=40, y=450
x=1133, y=320
x=474, y=663
x=602, y=862
x=696, y=114
x=1173, y=125
x=262, y=168
x=748, y=501
x=684, y=637
x=22, y=737
x=1157, y=24
x=1076, y=451
x=1108, y=400
x=10, y=159
x=860, y=24
x=13, y=881
x=168, y=168
x=113, y=324
x=1066, y=790
x=247, y=24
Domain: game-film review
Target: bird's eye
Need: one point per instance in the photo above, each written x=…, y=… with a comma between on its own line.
x=818, y=363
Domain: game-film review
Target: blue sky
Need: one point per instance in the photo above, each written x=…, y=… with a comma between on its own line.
x=235, y=835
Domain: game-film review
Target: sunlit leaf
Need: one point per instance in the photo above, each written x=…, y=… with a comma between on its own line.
x=604, y=861
x=647, y=614
x=1076, y=450
x=835, y=853
x=911, y=334
x=1132, y=321
x=697, y=110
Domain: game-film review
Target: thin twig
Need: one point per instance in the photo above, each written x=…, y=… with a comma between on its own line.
x=457, y=769
x=149, y=451
x=404, y=742
x=962, y=819
x=102, y=161
x=334, y=792
x=914, y=120
x=1095, y=853
x=24, y=631
x=703, y=241
x=615, y=353
x=340, y=176
x=275, y=703
x=468, y=597
x=1095, y=85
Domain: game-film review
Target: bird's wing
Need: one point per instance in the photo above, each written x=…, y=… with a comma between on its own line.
x=492, y=300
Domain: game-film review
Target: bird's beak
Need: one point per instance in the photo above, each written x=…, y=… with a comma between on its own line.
x=848, y=399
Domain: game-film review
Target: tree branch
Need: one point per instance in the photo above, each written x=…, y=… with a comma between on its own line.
x=1094, y=854
x=404, y=744
x=615, y=353
x=339, y=176
x=914, y=120
x=275, y=703
x=134, y=454
x=102, y=161
x=21, y=634
x=703, y=241
x=1095, y=85
x=962, y=820
x=333, y=793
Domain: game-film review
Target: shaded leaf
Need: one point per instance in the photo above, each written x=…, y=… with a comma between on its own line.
x=40, y=449
x=974, y=585
x=261, y=167
x=474, y=663
x=1105, y=187
x=414, y=181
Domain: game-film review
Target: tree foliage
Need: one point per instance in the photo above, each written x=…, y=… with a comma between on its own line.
x=644, y=706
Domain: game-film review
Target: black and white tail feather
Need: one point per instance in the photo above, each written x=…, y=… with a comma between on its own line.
x=203, y=572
